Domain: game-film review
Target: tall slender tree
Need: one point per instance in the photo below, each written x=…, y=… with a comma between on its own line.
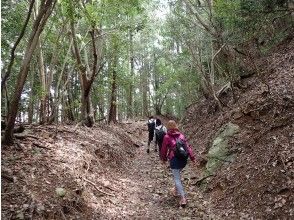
x=46, y=8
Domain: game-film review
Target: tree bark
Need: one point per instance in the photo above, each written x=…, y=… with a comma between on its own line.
x=43, y=85
x=87, y=116
x=58, y=94
x=69, y=111
x=12, y=54
x=156, y=88
x=145, y=90
x=45, y=78
x=50, y=101
x=44, y=12
x=113, y=99
x=31, y=101
x=131, y=86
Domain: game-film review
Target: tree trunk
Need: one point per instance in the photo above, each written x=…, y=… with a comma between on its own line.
x=6, y=100
x=44, y=12
x=86, y=108
x=68, y=113
x=145, y=90
x=85, y=80
x=46, y=77
x=50, y=99
x=119, y=107
x=131, y=86
x=157, y=98
x=30, y=112
x=12, y=54
x=149, y=96
x=156, y=88
x=101, y=110
x=31, y=101
x=113, y=99
x=43, y=84
x=61, y=78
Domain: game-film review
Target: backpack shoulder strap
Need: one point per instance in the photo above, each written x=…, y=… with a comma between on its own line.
x=176, y=139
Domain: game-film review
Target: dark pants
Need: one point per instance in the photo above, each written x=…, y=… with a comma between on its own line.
x=159, y=148
x=150, y=138
x=158, y=144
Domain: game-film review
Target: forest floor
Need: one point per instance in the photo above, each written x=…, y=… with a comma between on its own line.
x=258, y=183
x=105, y=172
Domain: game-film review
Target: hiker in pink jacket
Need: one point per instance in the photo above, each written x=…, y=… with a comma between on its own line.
x=173, y=143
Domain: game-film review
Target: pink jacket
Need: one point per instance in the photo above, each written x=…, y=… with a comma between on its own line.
x=169, y=144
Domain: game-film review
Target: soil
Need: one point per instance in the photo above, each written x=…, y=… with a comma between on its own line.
x=105, y=171
x=259, y=183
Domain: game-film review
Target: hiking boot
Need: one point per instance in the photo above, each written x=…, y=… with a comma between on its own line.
x=174, y=192
x=183, y=202
x=148, y=151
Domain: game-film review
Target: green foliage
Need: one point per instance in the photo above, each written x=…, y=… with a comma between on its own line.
x=161, y=47
x=70, y=8
x=11, y=25
x=93, y=14
x=243, y=20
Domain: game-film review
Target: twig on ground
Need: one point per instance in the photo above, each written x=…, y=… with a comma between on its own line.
x=62, y=214
x=96, y=187
x=198, y=182
x=40, y=146
x=24, y=136
x=76, y=127
x=18, y=146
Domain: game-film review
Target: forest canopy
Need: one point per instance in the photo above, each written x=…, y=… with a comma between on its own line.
x=110, y=60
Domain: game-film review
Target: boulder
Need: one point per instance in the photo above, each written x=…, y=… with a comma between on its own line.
x=218, y=153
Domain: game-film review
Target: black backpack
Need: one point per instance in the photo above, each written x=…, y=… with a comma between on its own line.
x=160, y=135
x=181, y=151
x=151, y=126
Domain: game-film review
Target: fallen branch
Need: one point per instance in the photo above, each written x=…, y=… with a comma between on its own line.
x=18, y=146
x=101, y=119
x=224, y=89
x=24, y=136
x=198, y=182
x=96, y=187
x=40, y=146
x=76, y=127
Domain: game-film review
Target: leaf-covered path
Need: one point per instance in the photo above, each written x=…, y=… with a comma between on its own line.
x=103, y=174
x=145, y=191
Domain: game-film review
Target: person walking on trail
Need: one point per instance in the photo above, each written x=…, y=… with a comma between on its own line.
x=151, y=127
x=176, y=149
x=160, y=131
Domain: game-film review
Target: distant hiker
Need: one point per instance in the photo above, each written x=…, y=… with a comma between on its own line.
x=176, y=149
x=151, y=128
x=160, y=131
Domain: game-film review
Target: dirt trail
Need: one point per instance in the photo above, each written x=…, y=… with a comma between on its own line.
x=104, y=175
x=145, y=191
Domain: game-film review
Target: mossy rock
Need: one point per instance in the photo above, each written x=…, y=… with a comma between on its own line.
x=219, y=154
x=60, y=192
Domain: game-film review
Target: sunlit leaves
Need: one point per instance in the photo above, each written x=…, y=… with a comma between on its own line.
x=243, y=19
